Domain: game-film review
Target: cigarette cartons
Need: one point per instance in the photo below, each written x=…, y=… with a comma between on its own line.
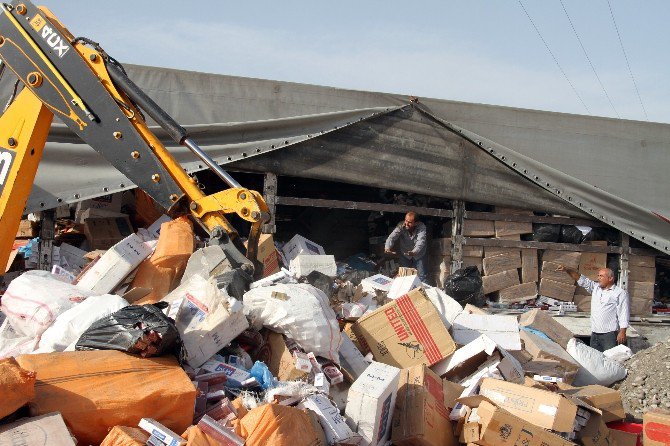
x=334, y=425
x=371, y=402
x=161, y=432
x=304, y=264
x=233, y=373
x=406, y=332
x=300, y=245
x=376, y=282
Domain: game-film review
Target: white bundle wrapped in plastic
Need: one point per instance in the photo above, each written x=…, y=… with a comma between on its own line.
x=71, y=324
x=596, y=368
x=620, y=353
x=35, y=299
x=299, y=311
x=13, y=343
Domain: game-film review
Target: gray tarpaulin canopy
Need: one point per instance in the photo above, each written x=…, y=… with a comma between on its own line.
x=612, y=169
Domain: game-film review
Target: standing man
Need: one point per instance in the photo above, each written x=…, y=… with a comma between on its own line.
x=609, y=308
x=410, y=237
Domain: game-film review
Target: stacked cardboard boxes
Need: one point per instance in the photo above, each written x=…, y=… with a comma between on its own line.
x=641, y=279
x=557, y=284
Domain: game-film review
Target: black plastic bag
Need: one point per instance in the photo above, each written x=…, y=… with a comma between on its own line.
x=546, y=233
x=571, y=234
x=319, y=280
x=234, y=282
x=465, y=286
x=140, y=329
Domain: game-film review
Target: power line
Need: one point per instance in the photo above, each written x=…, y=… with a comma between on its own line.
x=589, y=59
x=630, y=71
x=554, y=57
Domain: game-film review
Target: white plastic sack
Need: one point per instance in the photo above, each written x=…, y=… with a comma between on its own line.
x=620, y=353
x=300, y=311
x=71, y=324
x=595, y=367
x=35, y=299
x=13, y=343
x=446, y=306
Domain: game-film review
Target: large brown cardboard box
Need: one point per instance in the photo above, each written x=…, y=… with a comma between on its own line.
x=518, y=293
x=478, y=228
x=641, y=307
x=281, y=362
x=591, y=262
x=421, y=417
x=583, y=301
x=546, y=349
x=492, y=251
x=103, y=233
x=26, y=229
x=641, y=290
x=549, y=272
x=558, y=290
x=603, y=398
x=529, y=265
x=641, y=273
x=540, y=407
x=502, y=262
x=267, y=255
x=406, y=332
x=646, y=261
x=499, y=427
x=568, y=258
x=541, y=320
x=473, y=251
x=622, y=438
x=504, y=228
x=656, y=428
x=499, y=281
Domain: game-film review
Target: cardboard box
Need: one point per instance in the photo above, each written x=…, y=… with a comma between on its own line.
x=468, y=359
x=504, y=228
x=645, y=261
x=656, y=427
x=595, y=432
x=300, y=245
x=478, y=228
x=622, y=438
x=549, y=272
x=207, y=319
x=268, y=255
x=497, y=426
x=334, y=425
x=103, y=233
x=27, y=229
x=114, y=265
x=502, y=262
x=557, y=290
x=421, y=416
x=641, y=274
x=529, y=266
x=499, y=281
x=406, y=332
x=504, y=330
x=570, y=259
x=492, y=251
x=518, y=293
x=403, y=285
x=607, y=400
x=281, y=362
x=641, y=290
x=71, y=258
x=111, y=203
x=583, y=302
x=44, y=430
x=640, y=307
x=541, y=320
x=540, y=407
x=473, y=251
x=546, y=349
x=473, y=261
x=371, y=403
x=303, y=264
x=591, y=262
x=351, y=359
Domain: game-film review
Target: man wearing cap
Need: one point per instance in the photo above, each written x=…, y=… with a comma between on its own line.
x=410, y=237
x=610, y=308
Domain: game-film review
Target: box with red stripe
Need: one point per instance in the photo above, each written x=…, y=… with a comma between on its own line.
x=406, y=332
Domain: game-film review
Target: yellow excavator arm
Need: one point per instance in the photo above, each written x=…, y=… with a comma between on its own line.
x=89, y=91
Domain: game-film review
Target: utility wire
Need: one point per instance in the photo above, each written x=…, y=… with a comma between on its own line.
x=554, y=57
x=589, y=59
x=630, y=71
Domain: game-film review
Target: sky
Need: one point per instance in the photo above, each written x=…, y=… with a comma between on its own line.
x=470, y=50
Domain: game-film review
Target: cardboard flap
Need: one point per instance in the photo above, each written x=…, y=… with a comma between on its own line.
x=474, y=401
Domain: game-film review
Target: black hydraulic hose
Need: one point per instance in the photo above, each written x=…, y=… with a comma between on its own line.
x=143, y=101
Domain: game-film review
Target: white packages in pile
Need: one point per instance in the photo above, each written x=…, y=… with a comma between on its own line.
x=299, y=311
x=596, y=368
x=208, y=319
x=35, y=299
x=447, y=307
x=13, y=343
x=71, y=324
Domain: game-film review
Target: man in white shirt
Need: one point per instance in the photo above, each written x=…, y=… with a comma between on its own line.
x=610, y=308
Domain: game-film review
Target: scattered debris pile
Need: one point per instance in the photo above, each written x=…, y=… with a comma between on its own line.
x=646, y=386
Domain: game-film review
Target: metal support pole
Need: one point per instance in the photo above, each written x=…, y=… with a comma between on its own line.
x=270, y=196
x=457, y=236
x=623, y=261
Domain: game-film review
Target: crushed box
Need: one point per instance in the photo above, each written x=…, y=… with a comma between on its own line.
x=542, y=321
x=406, y=332
x=504, y=330
x=334, y=425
